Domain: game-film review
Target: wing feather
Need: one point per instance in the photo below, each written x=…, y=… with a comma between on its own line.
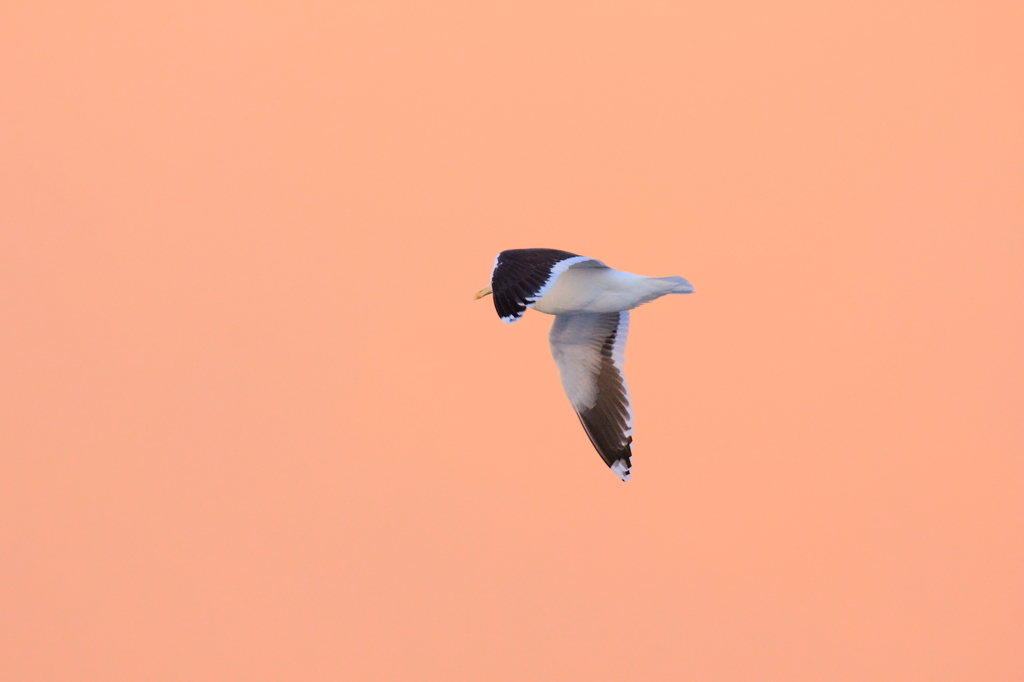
x=589, y=350
x=521, y=277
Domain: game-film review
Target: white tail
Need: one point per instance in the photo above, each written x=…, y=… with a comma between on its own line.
x=681, y=285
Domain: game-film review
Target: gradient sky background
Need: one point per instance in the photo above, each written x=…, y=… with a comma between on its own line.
x=253, y=425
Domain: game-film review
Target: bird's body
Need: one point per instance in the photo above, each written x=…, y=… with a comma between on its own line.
x=590, y=302
x=600, y=289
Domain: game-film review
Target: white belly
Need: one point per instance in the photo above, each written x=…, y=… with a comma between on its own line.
x=600, y=290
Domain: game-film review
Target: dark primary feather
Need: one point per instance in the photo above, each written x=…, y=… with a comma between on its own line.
x=518, y=275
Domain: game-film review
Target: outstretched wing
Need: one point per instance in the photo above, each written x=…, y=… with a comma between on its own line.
x=589, y=350
x=521, y=277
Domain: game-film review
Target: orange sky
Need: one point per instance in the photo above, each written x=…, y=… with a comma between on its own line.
x=253, y=425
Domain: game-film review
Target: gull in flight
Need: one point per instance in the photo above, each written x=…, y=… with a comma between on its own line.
x=591, y=304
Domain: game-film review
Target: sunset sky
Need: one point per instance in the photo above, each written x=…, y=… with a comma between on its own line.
x=253, y=425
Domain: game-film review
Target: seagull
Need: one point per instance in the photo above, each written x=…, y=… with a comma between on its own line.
x=591, y=304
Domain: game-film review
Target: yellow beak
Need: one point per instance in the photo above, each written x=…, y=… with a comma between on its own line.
x=486, y=291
